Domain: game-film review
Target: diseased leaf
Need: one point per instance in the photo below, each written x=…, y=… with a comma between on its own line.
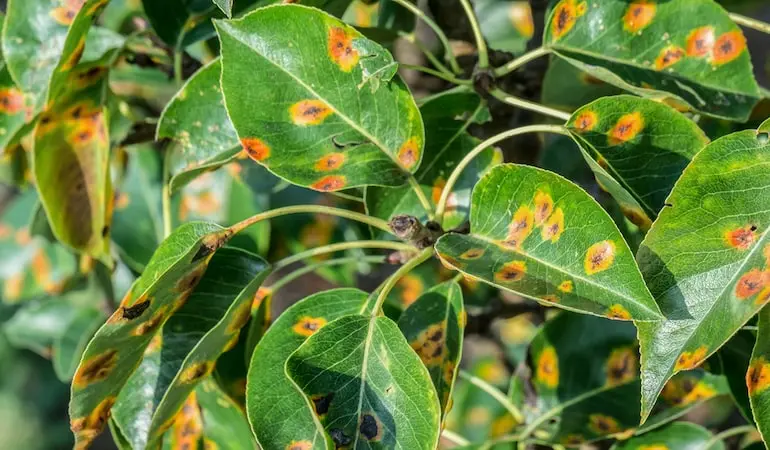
x=13, y=110
x=507, y=25
x=224, y=423
x=328, y=127
x=678, y=435
x=367, y=386
x=433, y=326
x=637, y=149
x=69, y=346
x=540, y=236
x=687, y=52
x=705, y=257
x=192, y=339
x=116, y=349
x=446, y=117
x=279, y=414
x=414, y=284
x=758, y=376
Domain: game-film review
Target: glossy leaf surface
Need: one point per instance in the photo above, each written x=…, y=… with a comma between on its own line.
x=341, y=118
x=686, y=51
x=116, y=349
x=507, y=25
x=446, y=118
x=705, y=257
x=679, y=435
x=368, y=387
x=637, y=149
x=567, y=88
x=226, y=6
x=538, y=235
x=758, y=376
x=279, y=414
x=224, y=423
x=191, y=341
x=734, y=358
x=433, y=326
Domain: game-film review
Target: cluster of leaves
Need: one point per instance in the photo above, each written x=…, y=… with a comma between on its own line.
x=135, y=250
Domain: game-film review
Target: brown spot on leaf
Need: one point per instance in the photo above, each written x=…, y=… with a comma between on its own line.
x=626, y=128
x=565, y=15
x=741, y=238
x=602, y=425
x=332, y=161
x=669, y=56
x=622, y=366
x=543, y=207
x=196, y=372
x=307, y=325
x=95, y=369
x=409, y=153
x=11, y=101
x=473, y=253
x=150, y=325
x=521, y=226
x=256, y=148
x=639, y=15
x=87, y=428
x=599, y=257
x=553, y=227
x=585, y=121
x=309, y=112
x=330, y=183
x=547, y=371
x=429, y=345
x=136, y=310
x=370, y=427
x=511, y=272
x=700, y=42
x=758, y=376
x=691, y=360
x=618, y=312
x=684, y=390
x=728, y=47
x=751, y=283
x=322, y=403
x=340, y=439
x=341, y=49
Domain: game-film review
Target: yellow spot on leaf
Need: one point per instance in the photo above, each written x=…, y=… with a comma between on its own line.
x=411, y=288
x=691, y=360
x=330, y=183
x=300, y=445
x=626, y=128
x=637, y=217
x=668, y=57
x=341, y=49
x=553, y=227
x=87, y=428
x=521, y=226
x=550, y=298
x=409, y=153
x=654, y=447
x=188, y=426
x=758, y=376
x=603, y=425
x=520, y=14
x=599, y=257
x=565, y=15
x=502, y=425
x=429, y=345
x=307, y=325
x=547, y=372
x=97, y=368
x=700, y=42
x=332, y=161
x=309, y=112
x=741, y=238
x=256, y=148
x=196, y=372
x=543, y=207
x=728, y=47
x=262, y=293
x=639, y=15
x=622, y=366
x=511, y=272
x=685, y=390
x=617, y=311
x=566, y=286
x=473, y=253
x=585, y=121
x=492, y=371
x=13, y=286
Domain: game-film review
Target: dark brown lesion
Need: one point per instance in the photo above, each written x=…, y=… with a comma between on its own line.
x=322, y=403
x=132, y=312
x=369, y=427
x=96, y=369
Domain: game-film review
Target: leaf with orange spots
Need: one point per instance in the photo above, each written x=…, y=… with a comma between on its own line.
x=167, y=281
x=577, y=242
x=703, y=258
x=507, y=25
x=433, y=327
x=758, y=376
x=646, y=47
x=678, y=435
x=637, y=149
x=190, y=341
x=279, y=414
x=567, y=88
x=366, y=383
x=446, y=117
x=339, y=95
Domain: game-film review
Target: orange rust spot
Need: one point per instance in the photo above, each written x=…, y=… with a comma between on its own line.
x=626, y=128
x=299, y=445
x=766, y=252
x=87, y=428
x=90, y=76
x=550, y=298
x=639, y=15
x=409, y=153
x=240, y=317
x=599, y=257
x=13, y=286
x=187, y=425
x=573, y=440
x=74, y=58
x=585, y=121
x=95, y=369
x=741, y=238
x=309, y=112
x=564, y=17
x=764, y=296
x=122, y=200
x=511, y=272
x=668, y=57
x=473, y=253
x=700, y=42
x=603, y=425
x=520, y=14
x=150, y=325
x=411, y=288
x=330, y=183
x=430, y=345
x=758, y=376
x=435, y=194
x=566, y=286
x=728, y=47
x=196, y=372
x=617, y=311
x=637, y=217
x=306, y=325
x=685, y=390
x=553, y=227
x=332, y=161
x=63, y=15
x=23, y=237
x=691, y=360
x=622, y=366
x=521, y=226
x=41, y=270
x=262, y=293
x=750, y=284
x=547, y=372
x=5, y=231
x=256, y=148
x=341, y=49
x=543, y=207
x=11, y=101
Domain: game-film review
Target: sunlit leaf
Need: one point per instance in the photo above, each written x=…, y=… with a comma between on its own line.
x=116, y=349
x=507, y=25
x=705, y=258
x=367, y=386
x=679, y=435
x=758, y=376
x=341, y=118
x=540, y=236
x=688, y=52
x=637, y=149
x=224, y=423
x=279, y=414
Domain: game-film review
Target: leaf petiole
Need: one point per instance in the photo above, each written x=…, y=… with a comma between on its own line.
x=748, y=22
x=311, y=209
x=521, y=61
x=341, y=246
x=481, y=44
x=444, y=76
x=531, y=106
x=390, y=283
x=291, y=276
x=494, y=393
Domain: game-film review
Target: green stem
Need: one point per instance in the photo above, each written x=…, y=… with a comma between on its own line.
x=436, y=29
x=481, y=44
x=338, y=247
x=166, y=192
x=178, y=58
x=291, y=276
x=495, y=393
x=311, y=209
x=410, y=37
x=390, y=283
x=521, y=60
x=455, y=438
x=532, y=106
x=748, y=22
x=421, y=196
x=730, y=432
x=455, y=175
x=345, y=196
x=444, y=76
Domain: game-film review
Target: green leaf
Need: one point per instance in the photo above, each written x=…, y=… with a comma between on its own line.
x=567, y=88
x=392, y=16
x=226, y=6
x=224, y=424
x=758, y=376
x=704, y=257
x=540, y=236
x=678, y=435
x=637, y=149
x=279, y=414
x=433, y=326
x=37, y=326
x=70, y=345
x=367, y=386
x=171, y=19
x=116, y=349
x=687, y=52
x=330, y=126
x=446, y=117
x=507, y=25
x=734, y=358
x=13, y=110
x=192, y=339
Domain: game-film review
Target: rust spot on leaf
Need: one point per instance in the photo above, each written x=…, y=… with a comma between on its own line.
x=573, y=440
x=409, y=153
x=370, y=427
x=758, y=376
x=341, y=49
x=728, y=47
x=300, y=445
x=637, y=217
x=240, y=318
x=547, y=372
x=309, y=112
x=550, y=298
x=618, y=312
x=187, y=425
x=700, y=42
x=322, y=403
x=626, y=128
x=639, y=15
x=543, y=207
x=564, y=17
x=473, y=253
x=553, y=227
x=330, y=183
x=668, y=57
x=411, y=288
x=520, y=14
x=96, y=368
x=196, y=372
x=751, y=283
x=685, y=390
x=136, y=310
x=622, y=366
x=152, y=324
x=602, y=425
x=429, y=345
x=566, y=286
x=585, y=121
x=511, y=272
x=521, y=226
x=332, y=161
x=256, y=148
x=87, y=428
x=691, y=360
x=599, y=257
x=11, y=101
x=307, y=325
x=262, y=293
x=741, y=238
